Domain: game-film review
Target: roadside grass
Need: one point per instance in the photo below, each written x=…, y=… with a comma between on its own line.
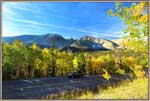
x=137, y=89
x=127, y=89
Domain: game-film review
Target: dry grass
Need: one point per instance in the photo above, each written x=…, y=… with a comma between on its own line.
x=137, y=89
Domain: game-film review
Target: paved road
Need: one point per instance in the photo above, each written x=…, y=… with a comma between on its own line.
x=36, y=88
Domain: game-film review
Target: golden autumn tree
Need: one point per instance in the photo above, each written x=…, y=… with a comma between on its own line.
x=94, y=65
x=64, y=64
x=75, y=63
x=46, y=60
x=33, y=54
x=135, y=18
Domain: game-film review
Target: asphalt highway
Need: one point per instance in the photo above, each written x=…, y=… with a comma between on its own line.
x=37, y=88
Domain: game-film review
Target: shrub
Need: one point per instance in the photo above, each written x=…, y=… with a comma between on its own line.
x=106, y=75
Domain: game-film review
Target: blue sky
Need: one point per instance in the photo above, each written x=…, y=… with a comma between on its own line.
x=69, y=19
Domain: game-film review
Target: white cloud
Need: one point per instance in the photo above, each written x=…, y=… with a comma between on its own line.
x=50, y=25
x=17, y=6
x=8, y=11
x=43, y=26
x=114, y=34
x=30, y=26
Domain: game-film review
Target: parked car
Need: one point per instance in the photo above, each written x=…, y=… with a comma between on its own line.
x=76, y=75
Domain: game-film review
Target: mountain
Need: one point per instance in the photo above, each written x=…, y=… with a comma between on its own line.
x=48, y=39
x=23, y=38
x=107, y=44
x=42, y=40
x=86, y=43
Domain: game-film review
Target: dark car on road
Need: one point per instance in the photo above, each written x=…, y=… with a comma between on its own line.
x=76, y=75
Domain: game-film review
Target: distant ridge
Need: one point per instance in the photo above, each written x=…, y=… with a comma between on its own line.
x=84, y=43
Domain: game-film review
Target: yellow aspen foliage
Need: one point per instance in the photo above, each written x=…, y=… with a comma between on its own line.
x=75, y=63
x=137, y=66
x=135, y=17
x=132, y=29
x=120, y=71
x=37, y=63
x=131, y=60
x=100, y=60
x=35, y=47
x=95, y=63
x=128, y=10
x=143, y=19
x=139, y=73
x=45, y=52
x=58, y=62
x=138, y=9
x=106, y=75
